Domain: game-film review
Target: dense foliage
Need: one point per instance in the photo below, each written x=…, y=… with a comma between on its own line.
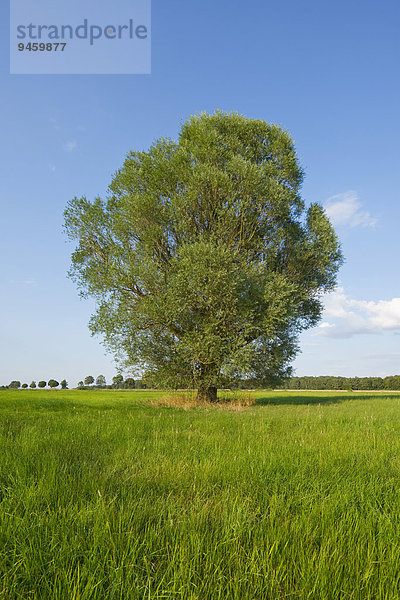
x=101, y=381
x=391, y=382
x=203, y=260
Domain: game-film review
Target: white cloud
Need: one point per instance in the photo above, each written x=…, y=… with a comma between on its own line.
x=325, y=324
x=384, y=314
x=70, y=145
x=351, y=317
x=345, y=209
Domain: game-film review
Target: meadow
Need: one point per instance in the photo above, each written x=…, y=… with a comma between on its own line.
x=118, y=495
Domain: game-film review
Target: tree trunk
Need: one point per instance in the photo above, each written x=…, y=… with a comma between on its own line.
x=207, y=394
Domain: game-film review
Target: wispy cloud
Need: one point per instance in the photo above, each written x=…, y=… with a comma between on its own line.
x=346, y=209
x=70, y=145
x=346, y=317
x=54, y=123
x=383, y=356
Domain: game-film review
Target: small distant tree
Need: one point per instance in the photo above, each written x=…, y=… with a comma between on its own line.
x=32, y=384
x=42, y=384
x=24, y=385
x=64, y=384
x=100, y=380
x=14, y=385
x=117, y=380
x=53, y=383
x=80, y=383
x=130, y=383
x=89, y=380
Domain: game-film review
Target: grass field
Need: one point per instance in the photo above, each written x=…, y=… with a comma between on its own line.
x=108, y=495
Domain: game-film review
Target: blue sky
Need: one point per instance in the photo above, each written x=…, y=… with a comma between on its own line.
x=326, y=71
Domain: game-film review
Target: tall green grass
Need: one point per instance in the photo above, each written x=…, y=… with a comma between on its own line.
x=108, y=495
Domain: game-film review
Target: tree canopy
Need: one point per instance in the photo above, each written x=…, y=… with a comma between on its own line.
x=100, y=380
x=204, y=261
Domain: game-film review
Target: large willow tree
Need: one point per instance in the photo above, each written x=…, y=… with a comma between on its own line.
x=203, y=259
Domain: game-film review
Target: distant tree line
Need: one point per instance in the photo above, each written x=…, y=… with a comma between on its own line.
x=118, y=382
x=52, y=383
x=323, y=382
x=328, y=382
